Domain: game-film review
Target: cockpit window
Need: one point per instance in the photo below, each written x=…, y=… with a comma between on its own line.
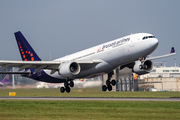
x=146, y=37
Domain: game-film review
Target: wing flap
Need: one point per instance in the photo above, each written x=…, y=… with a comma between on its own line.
x=23, y=67
x=4, y=66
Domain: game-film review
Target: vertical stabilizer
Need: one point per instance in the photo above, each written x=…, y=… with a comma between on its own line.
x=6, y=79
x=172, y=50
x=26, y=51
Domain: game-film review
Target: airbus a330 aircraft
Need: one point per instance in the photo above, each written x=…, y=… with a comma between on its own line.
x=129, y=51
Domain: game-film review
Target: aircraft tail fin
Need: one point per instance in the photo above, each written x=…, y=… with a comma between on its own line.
x=6, y=79
x=172, y=50
x=26, y=51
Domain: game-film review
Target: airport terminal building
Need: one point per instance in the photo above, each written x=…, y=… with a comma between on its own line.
x=160, y=70
x=163, y=78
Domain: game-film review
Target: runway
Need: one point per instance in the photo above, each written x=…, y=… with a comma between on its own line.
x=89, y=98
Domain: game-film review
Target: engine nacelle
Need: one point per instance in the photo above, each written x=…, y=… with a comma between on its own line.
x=69, y=69
x=139, y=71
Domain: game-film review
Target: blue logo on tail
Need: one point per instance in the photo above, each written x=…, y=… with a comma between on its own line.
x=172, y=50
x=26, y=51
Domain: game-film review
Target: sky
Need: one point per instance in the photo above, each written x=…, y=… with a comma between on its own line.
x=56, y=28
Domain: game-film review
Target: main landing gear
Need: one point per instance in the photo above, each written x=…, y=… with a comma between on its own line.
x=67, y=85
x=109, y=83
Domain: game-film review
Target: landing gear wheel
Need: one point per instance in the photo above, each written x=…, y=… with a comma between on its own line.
x=71, y=84
x=108, y=82
x=109, y=88
x=104, y=88
x=66, y=84
x=141, y=67
x=113, y=82
x=68, y=89
x=62, y=89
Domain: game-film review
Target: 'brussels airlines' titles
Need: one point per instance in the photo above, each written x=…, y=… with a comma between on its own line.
x=118, y=42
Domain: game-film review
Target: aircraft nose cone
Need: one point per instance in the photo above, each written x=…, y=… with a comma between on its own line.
x=154, y=42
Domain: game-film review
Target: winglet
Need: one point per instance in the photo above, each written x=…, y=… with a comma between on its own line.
x=26, y=51
x=172, y=50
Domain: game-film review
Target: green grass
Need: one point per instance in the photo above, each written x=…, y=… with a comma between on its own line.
x=88, y=110
x=88, y=92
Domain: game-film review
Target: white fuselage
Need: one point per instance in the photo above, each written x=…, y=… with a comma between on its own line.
x=112, y=54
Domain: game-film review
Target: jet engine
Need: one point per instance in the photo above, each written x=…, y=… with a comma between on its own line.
x=148, y=66
x=69, y=69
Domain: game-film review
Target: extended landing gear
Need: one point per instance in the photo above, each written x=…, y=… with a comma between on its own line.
x=142, y=66
x=109, y=83
x=67, y=86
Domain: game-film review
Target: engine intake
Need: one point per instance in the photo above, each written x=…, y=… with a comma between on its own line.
x=148, y=68
x=69, y=69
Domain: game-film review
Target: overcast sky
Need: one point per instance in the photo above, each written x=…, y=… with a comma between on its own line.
x=61, y=27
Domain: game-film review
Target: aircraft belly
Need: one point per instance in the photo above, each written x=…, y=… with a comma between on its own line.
x=45, y=76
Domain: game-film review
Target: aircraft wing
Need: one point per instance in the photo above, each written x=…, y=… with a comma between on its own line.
x=52, y=65
x=162, y=56
x=38, y=65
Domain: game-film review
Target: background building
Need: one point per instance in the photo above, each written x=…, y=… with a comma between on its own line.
x=160, y=70
x=19, y=80
x=162, y=78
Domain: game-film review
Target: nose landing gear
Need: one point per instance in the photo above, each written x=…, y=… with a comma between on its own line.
x=142, y=66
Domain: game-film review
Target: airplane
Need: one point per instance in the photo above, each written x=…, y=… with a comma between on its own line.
x=5, y=81
x=129, y=51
